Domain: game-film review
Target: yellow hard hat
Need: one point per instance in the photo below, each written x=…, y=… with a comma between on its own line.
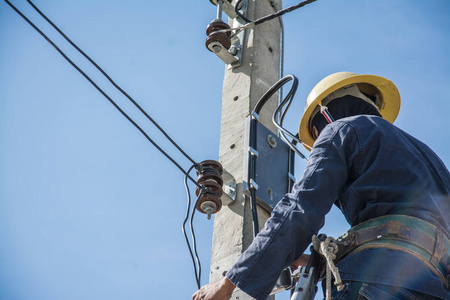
x=388, y=97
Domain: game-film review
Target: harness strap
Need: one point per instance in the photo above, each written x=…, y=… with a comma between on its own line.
x=403, y=233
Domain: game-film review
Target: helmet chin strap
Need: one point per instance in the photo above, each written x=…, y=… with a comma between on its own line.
x=326, y=113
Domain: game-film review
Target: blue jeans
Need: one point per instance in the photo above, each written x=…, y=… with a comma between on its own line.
x=354, y=290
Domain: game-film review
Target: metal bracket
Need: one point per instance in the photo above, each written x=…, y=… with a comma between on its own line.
x=253, y=184
x=229, y=188
x=233, y=56
x=228, y=7
x=253, y=151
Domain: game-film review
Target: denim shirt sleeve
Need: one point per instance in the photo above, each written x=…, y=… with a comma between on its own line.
x=300, y=214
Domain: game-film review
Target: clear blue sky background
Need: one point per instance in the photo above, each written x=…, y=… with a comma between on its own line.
x=88, y=208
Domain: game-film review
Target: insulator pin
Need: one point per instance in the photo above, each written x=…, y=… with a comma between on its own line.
x=210, y=179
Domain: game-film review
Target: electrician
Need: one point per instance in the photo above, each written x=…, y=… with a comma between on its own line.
x=392, y=189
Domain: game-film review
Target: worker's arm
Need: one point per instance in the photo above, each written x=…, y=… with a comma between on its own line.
x=298, y=215
x=220, y=290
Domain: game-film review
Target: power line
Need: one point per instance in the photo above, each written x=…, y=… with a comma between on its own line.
x=110, y=79
x=266, y=18
x=192, y=250
x=102, y=92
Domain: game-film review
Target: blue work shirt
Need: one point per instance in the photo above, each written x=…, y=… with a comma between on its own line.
x=368, y=168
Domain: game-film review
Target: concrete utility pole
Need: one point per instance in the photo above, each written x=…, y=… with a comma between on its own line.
x=242, y=88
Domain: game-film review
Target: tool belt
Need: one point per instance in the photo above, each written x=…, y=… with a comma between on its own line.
x=402, y=233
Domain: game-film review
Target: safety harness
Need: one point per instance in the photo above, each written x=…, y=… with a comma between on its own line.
x=397, y=232
x=403, y=233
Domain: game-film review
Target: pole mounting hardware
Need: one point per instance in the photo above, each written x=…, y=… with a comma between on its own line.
x=269, y=164
x=227, y=46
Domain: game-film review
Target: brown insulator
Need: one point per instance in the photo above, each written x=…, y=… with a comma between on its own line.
x=208, y=204
x=209, y=174
x=206, y=164
x=217, y=25
x=221, y=37
x=213, y=188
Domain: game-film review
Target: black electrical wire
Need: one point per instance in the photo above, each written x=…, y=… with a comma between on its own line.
x=282, y=38
x=252, y=175
x=274, y=15
x=259, y=105
x=283, y=11
x=236, y=10
x=283, y=131
x=194, y=243
x=192, y=250
x=288, y=99
x=110, y=80
x=101, y=91
x=295, y=138
x=274, y=88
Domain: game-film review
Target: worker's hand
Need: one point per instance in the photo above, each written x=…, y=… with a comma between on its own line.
x=302, y=261
x=220, y=290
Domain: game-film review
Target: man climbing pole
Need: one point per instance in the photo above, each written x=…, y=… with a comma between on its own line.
x=393, y=190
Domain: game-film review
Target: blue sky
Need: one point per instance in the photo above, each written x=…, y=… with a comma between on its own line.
x=89, y=209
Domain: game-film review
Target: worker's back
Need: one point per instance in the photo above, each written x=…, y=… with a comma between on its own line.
x=389, y=173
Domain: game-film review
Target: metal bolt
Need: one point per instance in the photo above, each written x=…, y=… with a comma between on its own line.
x=217, y=48
x=272, y=141
x=208, y=211
x=233, y=50
x=209, y=208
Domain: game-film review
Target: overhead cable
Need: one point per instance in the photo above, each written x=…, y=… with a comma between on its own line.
x=101, y=91
x=110, y=79
x=266, y=18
